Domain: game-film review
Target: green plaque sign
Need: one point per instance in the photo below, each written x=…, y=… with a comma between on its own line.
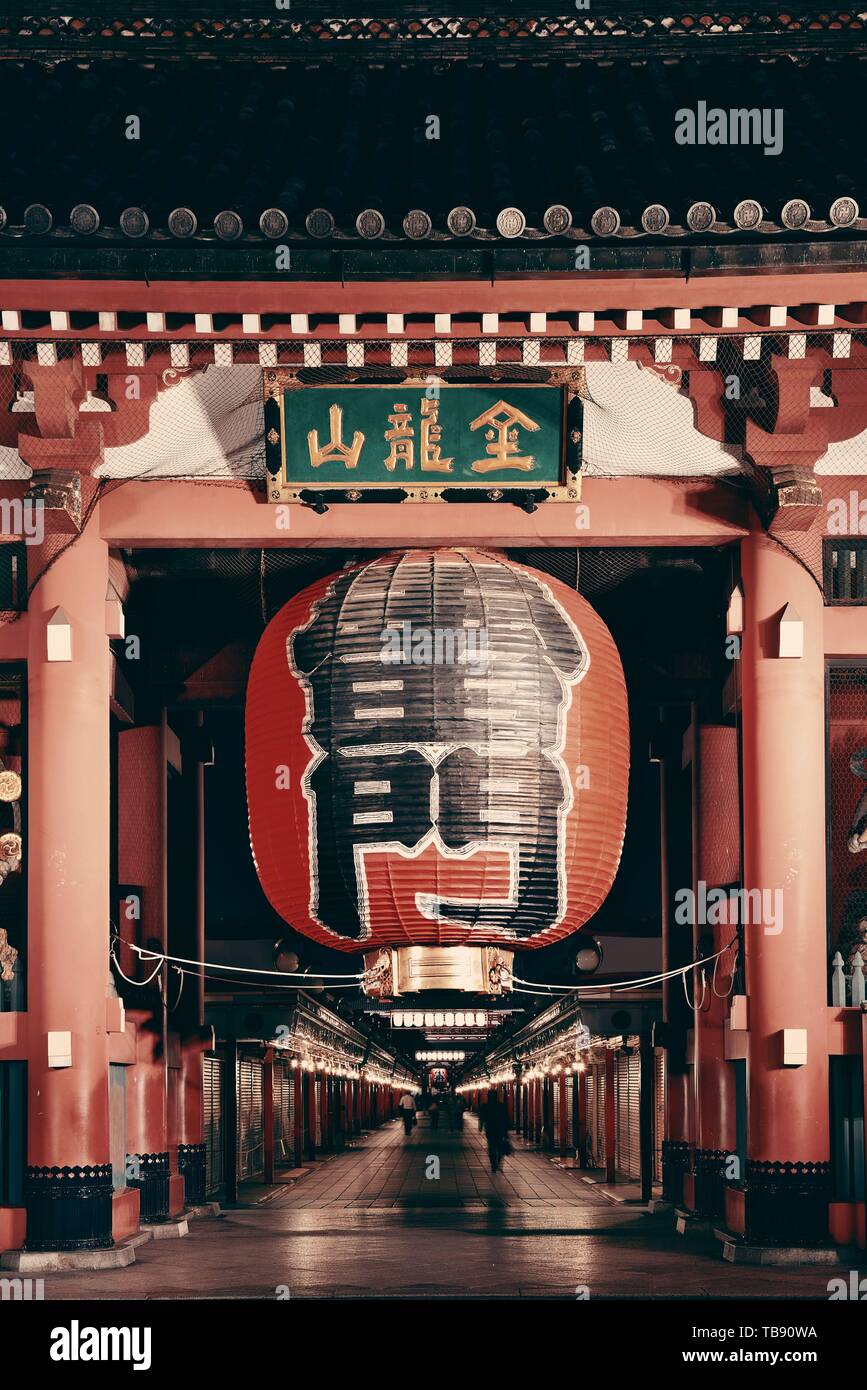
x=421, y=438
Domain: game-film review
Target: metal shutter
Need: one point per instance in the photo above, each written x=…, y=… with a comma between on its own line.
x=290, y=1118
x=251, y=1149
x=570, y=1107
x=555, y=1121
x=658, y=1113
x=317, y=1118
x=213, y=1129
x=596, y=1116
x=627, y=1077
x=278, y=1115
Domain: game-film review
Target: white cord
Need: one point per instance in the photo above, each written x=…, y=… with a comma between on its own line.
x=726, y=993
x=626, y=984
x=139, y=983
x=245, y=969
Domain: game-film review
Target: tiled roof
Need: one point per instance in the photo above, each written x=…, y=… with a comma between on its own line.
x=273, y=29
x=244, y=152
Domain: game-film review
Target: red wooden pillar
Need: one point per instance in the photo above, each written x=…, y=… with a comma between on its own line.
x=268, y=1114
x=716, y=800
x=784, y=856
x=610, y=1112
x=67, y=846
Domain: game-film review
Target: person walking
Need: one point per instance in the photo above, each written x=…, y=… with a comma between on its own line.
x=494, y=1120
x=434, y=1113
x=452, y=1111
x=406, y=1106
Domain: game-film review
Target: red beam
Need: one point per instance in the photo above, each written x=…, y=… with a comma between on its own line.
x=619, y=511
x=579, y=290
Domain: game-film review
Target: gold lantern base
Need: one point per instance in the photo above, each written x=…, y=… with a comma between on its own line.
x=391, y=972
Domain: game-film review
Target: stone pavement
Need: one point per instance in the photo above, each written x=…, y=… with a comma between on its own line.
x=370, y=1223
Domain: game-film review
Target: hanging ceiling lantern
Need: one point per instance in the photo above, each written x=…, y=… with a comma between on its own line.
x=437, y=765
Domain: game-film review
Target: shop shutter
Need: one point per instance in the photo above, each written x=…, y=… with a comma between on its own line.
x=555, y=1089
x=317, y=1118
x=279, y=1116
x=635, y=1108
x=658, y=1113
x=596, y=1116
x=251, y=1149
x=627, y=1135
x=290, y=1121
x=570, y=1110
x=213, y=1130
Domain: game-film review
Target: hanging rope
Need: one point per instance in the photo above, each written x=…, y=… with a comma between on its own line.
x=626, y=984
x=243, y=969
x=138, y=983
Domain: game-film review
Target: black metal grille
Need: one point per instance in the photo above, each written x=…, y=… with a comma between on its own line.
x=845, y=569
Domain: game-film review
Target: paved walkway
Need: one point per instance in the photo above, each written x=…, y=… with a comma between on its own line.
x=372, y=1223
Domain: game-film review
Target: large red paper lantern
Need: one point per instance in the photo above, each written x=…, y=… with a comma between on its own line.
x=437, y=755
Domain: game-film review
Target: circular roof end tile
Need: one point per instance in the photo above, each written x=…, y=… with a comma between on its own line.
x=557, y=219
x=843, y=212
x=511, y=223
x=795, y=214
x=605, y=221
x=273, y=223
x=37, y=219
x=461, y=221
x=84, y=219
x=655, y=218
x=370, y=224
x=748, y=214
x=182, y=223
x=228, y=226
x=701, y=217
x=417, y=225
x=319, y=223
x=134, y=222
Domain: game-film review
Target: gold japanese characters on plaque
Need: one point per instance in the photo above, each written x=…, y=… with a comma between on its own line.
x=422, y=439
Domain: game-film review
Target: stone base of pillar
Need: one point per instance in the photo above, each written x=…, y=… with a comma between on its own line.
x=687, y=1223
x=206, y=1209
x=58, y=1261
x=739, y=1252
x=191, y=1166
x=675, y=1162
x=68, y=1208
x=169, y=1230
x=152, y=1181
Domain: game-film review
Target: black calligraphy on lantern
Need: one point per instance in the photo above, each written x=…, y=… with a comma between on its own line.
x=438, y=764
